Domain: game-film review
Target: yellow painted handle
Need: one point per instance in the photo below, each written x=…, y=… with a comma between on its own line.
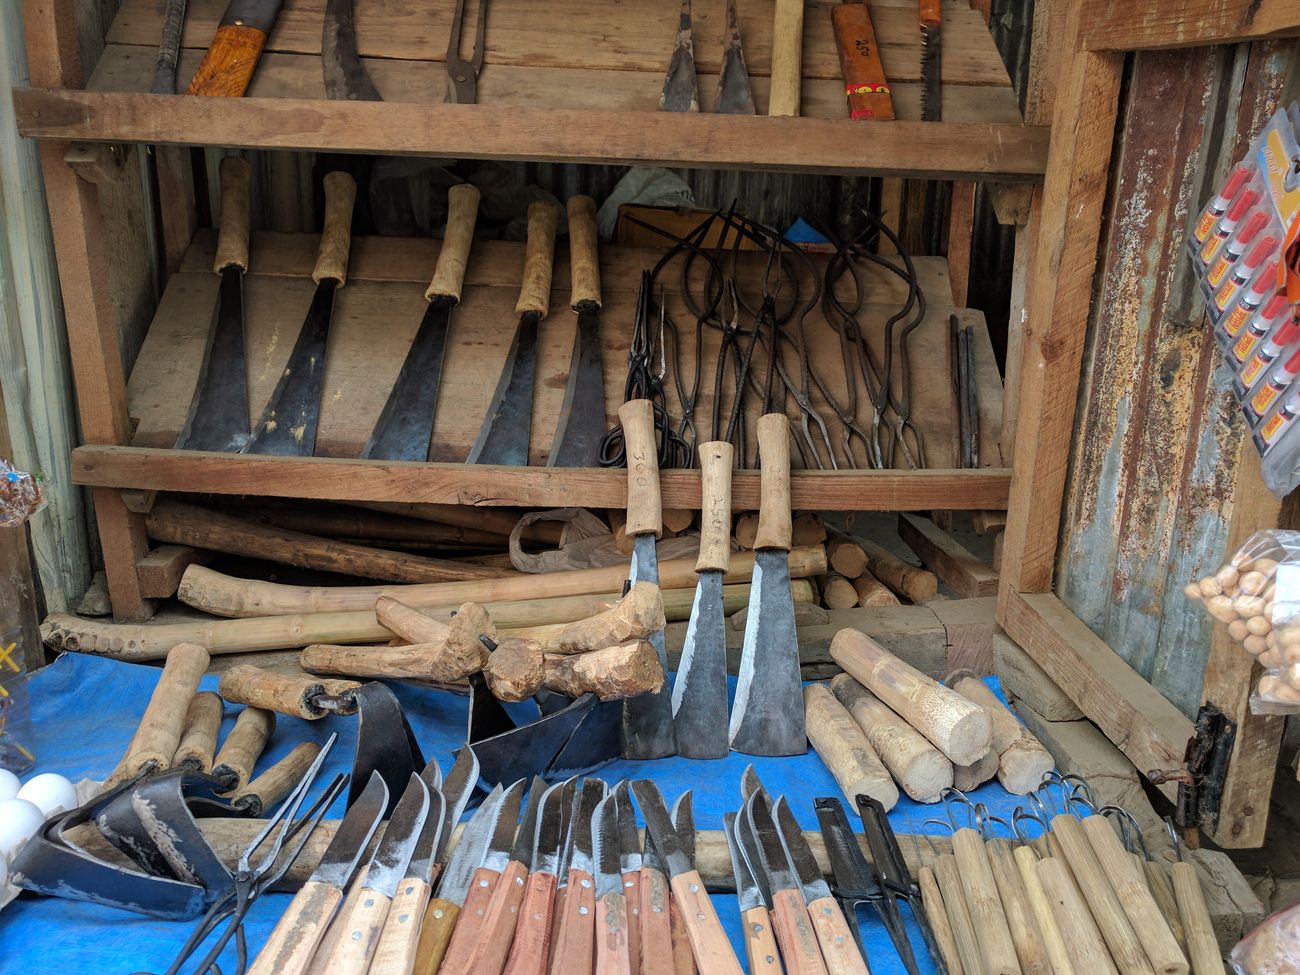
x=435, y=934
x=462, y=214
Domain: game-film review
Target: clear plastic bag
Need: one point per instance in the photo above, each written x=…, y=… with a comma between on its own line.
x=1272, y=948
x=20, y=496
x=17, y=746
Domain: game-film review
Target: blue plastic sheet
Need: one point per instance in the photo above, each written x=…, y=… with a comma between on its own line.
x=86, y=708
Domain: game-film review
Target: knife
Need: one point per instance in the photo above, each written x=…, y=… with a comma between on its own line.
x=760, y=945
x=611, y=956
x=293, y=941
x=656, y=934
x=568, y=810
x=790, y=921
x=629, y=850
x=532, y=940
x=684, y=824
x=575, y=937
x=232, y=55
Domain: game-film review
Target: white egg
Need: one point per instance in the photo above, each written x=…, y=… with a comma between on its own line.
x=8, y=784
x=51, y=793
x=19, y=819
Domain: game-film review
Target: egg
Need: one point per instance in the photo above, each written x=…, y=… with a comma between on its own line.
x=8, y=784
x=50, y=793
x=19, y=819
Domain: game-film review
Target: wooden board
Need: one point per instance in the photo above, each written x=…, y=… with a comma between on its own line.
x=1122, y=25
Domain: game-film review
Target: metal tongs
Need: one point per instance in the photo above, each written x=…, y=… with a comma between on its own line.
x=464, y=74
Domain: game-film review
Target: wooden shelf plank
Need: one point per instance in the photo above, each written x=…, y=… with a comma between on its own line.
x=1123, y=25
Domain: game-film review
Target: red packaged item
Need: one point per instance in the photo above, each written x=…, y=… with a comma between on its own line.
x=1228, y=224
x=1275, y=319
x=1219, y=205
x=1275, y=385
x=1265, y=285
x=1256, y=222
x=1271, y=430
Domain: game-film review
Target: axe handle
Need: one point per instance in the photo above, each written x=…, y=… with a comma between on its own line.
x=709, y=944
x=462, y=214
x=632, y=897
x=532, y=944
x=435, y=935
x=716, y=458
x=760, y=945
x=644, y=509
x=467, y=939
x=612, y=956
x=575, y=938
x=401, y=934
x=336, y=237
x=774, y=524
x=839, y=949
x=794, y=933
x=359, y=935
x=584, y=259
x=539, y=259
x=293, y=941
x=232, y=237
x=655, y=923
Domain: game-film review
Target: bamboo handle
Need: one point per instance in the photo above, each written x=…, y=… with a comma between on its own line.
x=709, y=943
x=584, y=259
x=275, y=783
x=1088, y=950
x=937, y=914
x=839, y=949
x=1162, y=889
x=154, y=743
x=239, y=753
x=435, y=935
x=401, y=934
x=774, y=482
x=1202, y=945
x=760, y=945
x=949, y=879
x=612, y=950
x=199, y=739
x=532, y=943
x=787, y=58
x=293, y=940
x=539, y=255
x=449, y=272
x=498, y=929
x=644, y=512
x=575, y=937
x=1053, y=940
x=795, y=935
x=984, y=903
x=336, y=237
x=229, y=63
x=359, y=935
x=466, y=940
x=632, y=897
x=232, y=236
x=1025, y=935
x=656, y=934
x=716, y=458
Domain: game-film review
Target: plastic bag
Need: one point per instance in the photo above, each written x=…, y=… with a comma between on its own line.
x=20, y=496
x=17, y=747
x=1272, y=948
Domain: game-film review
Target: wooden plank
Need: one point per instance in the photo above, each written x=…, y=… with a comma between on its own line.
x=1122, y=25
x=961, y=228
x=1023, y=680
x=703, y=140
x=1132, y=714
x=947, y=558
x=160, y=571
x=968, y=629
x=336, y=479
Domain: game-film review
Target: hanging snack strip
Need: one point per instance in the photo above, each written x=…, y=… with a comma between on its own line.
x=1245, y=253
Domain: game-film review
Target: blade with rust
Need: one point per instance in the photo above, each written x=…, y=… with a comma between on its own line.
x=345, y=75
x=681, y=91
x=931, y=60
x=507, y=429
x=734, y=95
x=700, y=688
x=287, y=426
x=581, y=426
x=169, y=48
x=790, y=921
x=768, y=717
x=218, y=417
x=530, y=947
x=755, y=921
x=647, y=718
x=232, y=55
x=405, y=427
x=574, y=935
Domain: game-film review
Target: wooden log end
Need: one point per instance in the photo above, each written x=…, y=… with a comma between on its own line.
x=1022, y=766
x=967, y=777
x=514, y=670
x=926, y=776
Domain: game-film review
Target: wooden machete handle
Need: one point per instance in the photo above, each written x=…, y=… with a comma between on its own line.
x=293, y=941
x=498, y=928
x=243, y=746
x=839, y=949
x=532, y=944
x=787, y=58
x=336, y=237
x=584, y=259
x=575, y=937
x=154, y=743
x=401, y=934
x=435, y=935
x=471, y=929
x=449, y=272
x=274, y=784
x=716, y=458
x=232, y=236
x=655, y=936
x=794, y=933
x=539, y=256
x=644, y=510
x=709, y=942
x=199, y=739
x=1202, y=946
x=774, y=482
x=612, y=957
x=359, y=935
x=760, y=944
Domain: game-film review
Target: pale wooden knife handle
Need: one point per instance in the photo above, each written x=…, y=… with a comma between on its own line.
x=795, y=935
x=1088, y=950
x=716, y=458
x=319, y=960
x=499, y=924
x=683, y=953
x=584, y=259
x=632, y=899
x=232, y=235
x=948, y=877
x=655, y=923
x=644, y=509
x=465, y=940
x=199, y=738
x=532, y=945
x=449, y=272
x=336, y=237
x=243, y=746
x=359, y=936
x=839, y=949
x=712, y=950
x=293, y=941
x=435, y=934
x=774, y=528
x=397, y=942
x=612, y=956
x=539, y=258
x=760, y=943
x=575, y=938
x=1202, y=946
x=937, y=914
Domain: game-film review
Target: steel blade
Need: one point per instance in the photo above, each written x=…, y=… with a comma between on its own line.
x=504, y=828
x=405, y=427
x=768, y=718
x=388, y=865
x=749, y=782
x=432, y=774
x=422, y=858
x=931, y=61
x=470, y=848
x=811, y=882
x=684, y=822
x=629, y=841
x=340, y=859
x=699, y=693
x=734, y=96
x=658, y=825
x=456, y=791
x=748, y=844
x=771, y=853
x=681, y=88
x=526, y=836
x=287, y=427
x=345, y=76
x=650, y=858
x=568, y=813
x=609, y=876
x=580, y=856
x=855, y=879
x=550, y=828
x=648, y=718
x=218, y=417
x=747, y=893
x=507, y=429
x=581, y=426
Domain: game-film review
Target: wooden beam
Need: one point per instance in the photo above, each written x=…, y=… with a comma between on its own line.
x=961, y=230
x=947, y=558
x=1125, y=25
x=160, y=571
x=529, y=487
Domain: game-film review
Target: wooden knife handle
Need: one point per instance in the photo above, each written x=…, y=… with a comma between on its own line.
x=1202, y=946
x=336, y=237
x=199, y=738
x=401, y=934
x=929, y=11
x=787, y=58
x=864, y=76
x=277, y=781
x=462, y=215
x=243, y=746
x=499, y=925
x=795, y=934
x=712, y=950
x=632, y=899
x=293, y=941
x=154, y=743
x=760, y=943
x=716, y=458
x=584, y=258
x=839, y=949
x=644, y=510
x=936, y=912
x=232, y=236
x=557, y=918
x=575, y=938
x=612, y=956
x=655, y=924
x=435, y=935
x=1088, y=952
x=359, y=935
x=984, y=903
x=531, y=949
x=683, y=953
x=319, y=962
x=539, y=257
x=232, y=56
x=467, y=938
x=774, y=482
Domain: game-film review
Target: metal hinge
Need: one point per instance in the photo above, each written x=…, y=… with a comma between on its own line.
x=1205, y=767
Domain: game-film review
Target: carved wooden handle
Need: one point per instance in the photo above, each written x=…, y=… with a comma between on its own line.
x=435, y=935
x=467, y=938
x=575, y=937
x=243, y=746
x=709, y=942
x=716, y=458
x=359, y=935
x=760, y=943
x=787, y=58
x=795, y=934
x=839, y=949
x=612, y=956
x=1202, y=945
x=644, y=511
x=276, y=782
x=336, y=238
x=584, y=259
x=199, y=739
x=774, y=482
x=293, y=941
x=232, y=236
x=539, y=256
x=655, y=923
x=272, y=691
x=532, y=944
x=228, y=66
x=462, y=214
x=401, y=935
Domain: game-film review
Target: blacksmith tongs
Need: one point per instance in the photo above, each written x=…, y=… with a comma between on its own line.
x=464, y=74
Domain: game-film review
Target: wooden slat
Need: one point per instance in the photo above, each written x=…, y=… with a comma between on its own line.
x=947, y=558
x=1125, y=25
x=529, y=487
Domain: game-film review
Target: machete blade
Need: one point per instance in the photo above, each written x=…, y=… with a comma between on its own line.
x=648, y=718
x=388, y=865
x=748, y=844
x=505, y=825
x=550, y=828
x=748, y=894
x=734, y=95
x=811, y=882
x=507, y=428
x=471, y=848
x=339, y=861
x=580, y=858
x=699, y=695
x=681, y=91
x=345, y=76
x=218, y=417
x=581, y=426
x=405, y=427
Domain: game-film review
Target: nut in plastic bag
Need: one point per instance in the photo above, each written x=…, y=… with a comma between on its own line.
x=20, y=496
x=1272, y=948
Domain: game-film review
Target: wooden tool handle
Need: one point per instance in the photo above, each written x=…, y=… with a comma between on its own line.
x=293, y=941
x=228, y=66
x=787, y=58
x=154, y=743
x=1053, y=940
x=359, y=935
x=435, y=935
x=532, y=943
x=462, y=215
x=760, y=944
x=320, y=960
x=632, y=897
x=929, y=12
x=1162, y=889
x=864, y=76
x=795, y=935
x=774, y=482
x=839, y=949
x=575, y=936
x=336, y=237
x=539, y=256
x=612, y=955
x=644, y=511
x=1030, y=948
x=937, y=914
x=948, y=877
x=1202, y=945
x=499, y=923
x=396, y=952
x=716, y=459
x=683, y=953
x=1088, y=951
x=243, y=746
x=199, y=738
x=232, y=235
x=656, y=934
x=467, y=939
x=275, y=783
x=984, y=903
x=709, y=943
x=584, y=258
x=843, y=747
x=271, y=691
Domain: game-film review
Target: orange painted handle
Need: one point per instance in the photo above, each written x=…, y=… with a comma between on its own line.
x=760, y=943
x=228, y=66
x=611, y=936
x=557, y=916
x=574, y=941
x=712, y=950
x=929, y=11
x=795, y=935
x=839, y=949
x=498, y=930
x=459, y=959
x=656, y=926
x=532, y=945
x=632, y=895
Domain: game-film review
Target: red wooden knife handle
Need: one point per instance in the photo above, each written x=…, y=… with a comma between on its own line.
x=656, y=934
x=459, y=959
x=632, y=896
x=794, y=934
x=683, y=953
x=575, y=938
x=532, y=945
x=611, y=935
x=498, y=930
x=760, y=943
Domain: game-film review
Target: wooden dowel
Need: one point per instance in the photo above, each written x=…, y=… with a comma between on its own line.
x=1025, y=935
x=907, y=580
x=846, y=556
x=1053, y=940
x=967, y=941
x=155, y=741
x=936, y=912
x=1022, y=760
x=872, y=592
x=843, y=747
x=1087, y=949
x=1162, y=889
x=984, y=904
x=1202, y=946
x=240, y=751
x=262, y=793
x=199, y=739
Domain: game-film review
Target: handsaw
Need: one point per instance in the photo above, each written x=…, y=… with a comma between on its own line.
x=865, y=84
x=931, y=60
x=681, y=92
x=734, y=95
x=405, y=427
x=507, y=429
x=345, y=75
x=287, y=426
x=218, y=417
x=228, y=66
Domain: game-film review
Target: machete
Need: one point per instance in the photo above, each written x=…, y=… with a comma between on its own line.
x=345, y=75
x=218, y=417
x=768, y=716
x=405, y=427
x=581, y=426
x=790, y=920
x=734, y=95
x=507, y=429
x=760, y=945
x=575, y=936
x=533, y=933
x=700, y=688
x=647, y=718
x=228, y=66
x=287, y=426
x=612, y=954
x=681, y=89
x=629, y=853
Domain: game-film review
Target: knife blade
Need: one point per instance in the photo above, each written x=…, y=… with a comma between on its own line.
x=684, y=824
x=681, y=87
x=569, y=809
x=232, y=56
x=456, y=790
x=575, y=936
x=345, y=76
x=790, y=921
x=656, y=929
x=530, y=950
x=760, y=944
x=734, y=95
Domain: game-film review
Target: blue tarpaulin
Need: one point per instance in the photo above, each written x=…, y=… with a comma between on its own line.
x=86, y=709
